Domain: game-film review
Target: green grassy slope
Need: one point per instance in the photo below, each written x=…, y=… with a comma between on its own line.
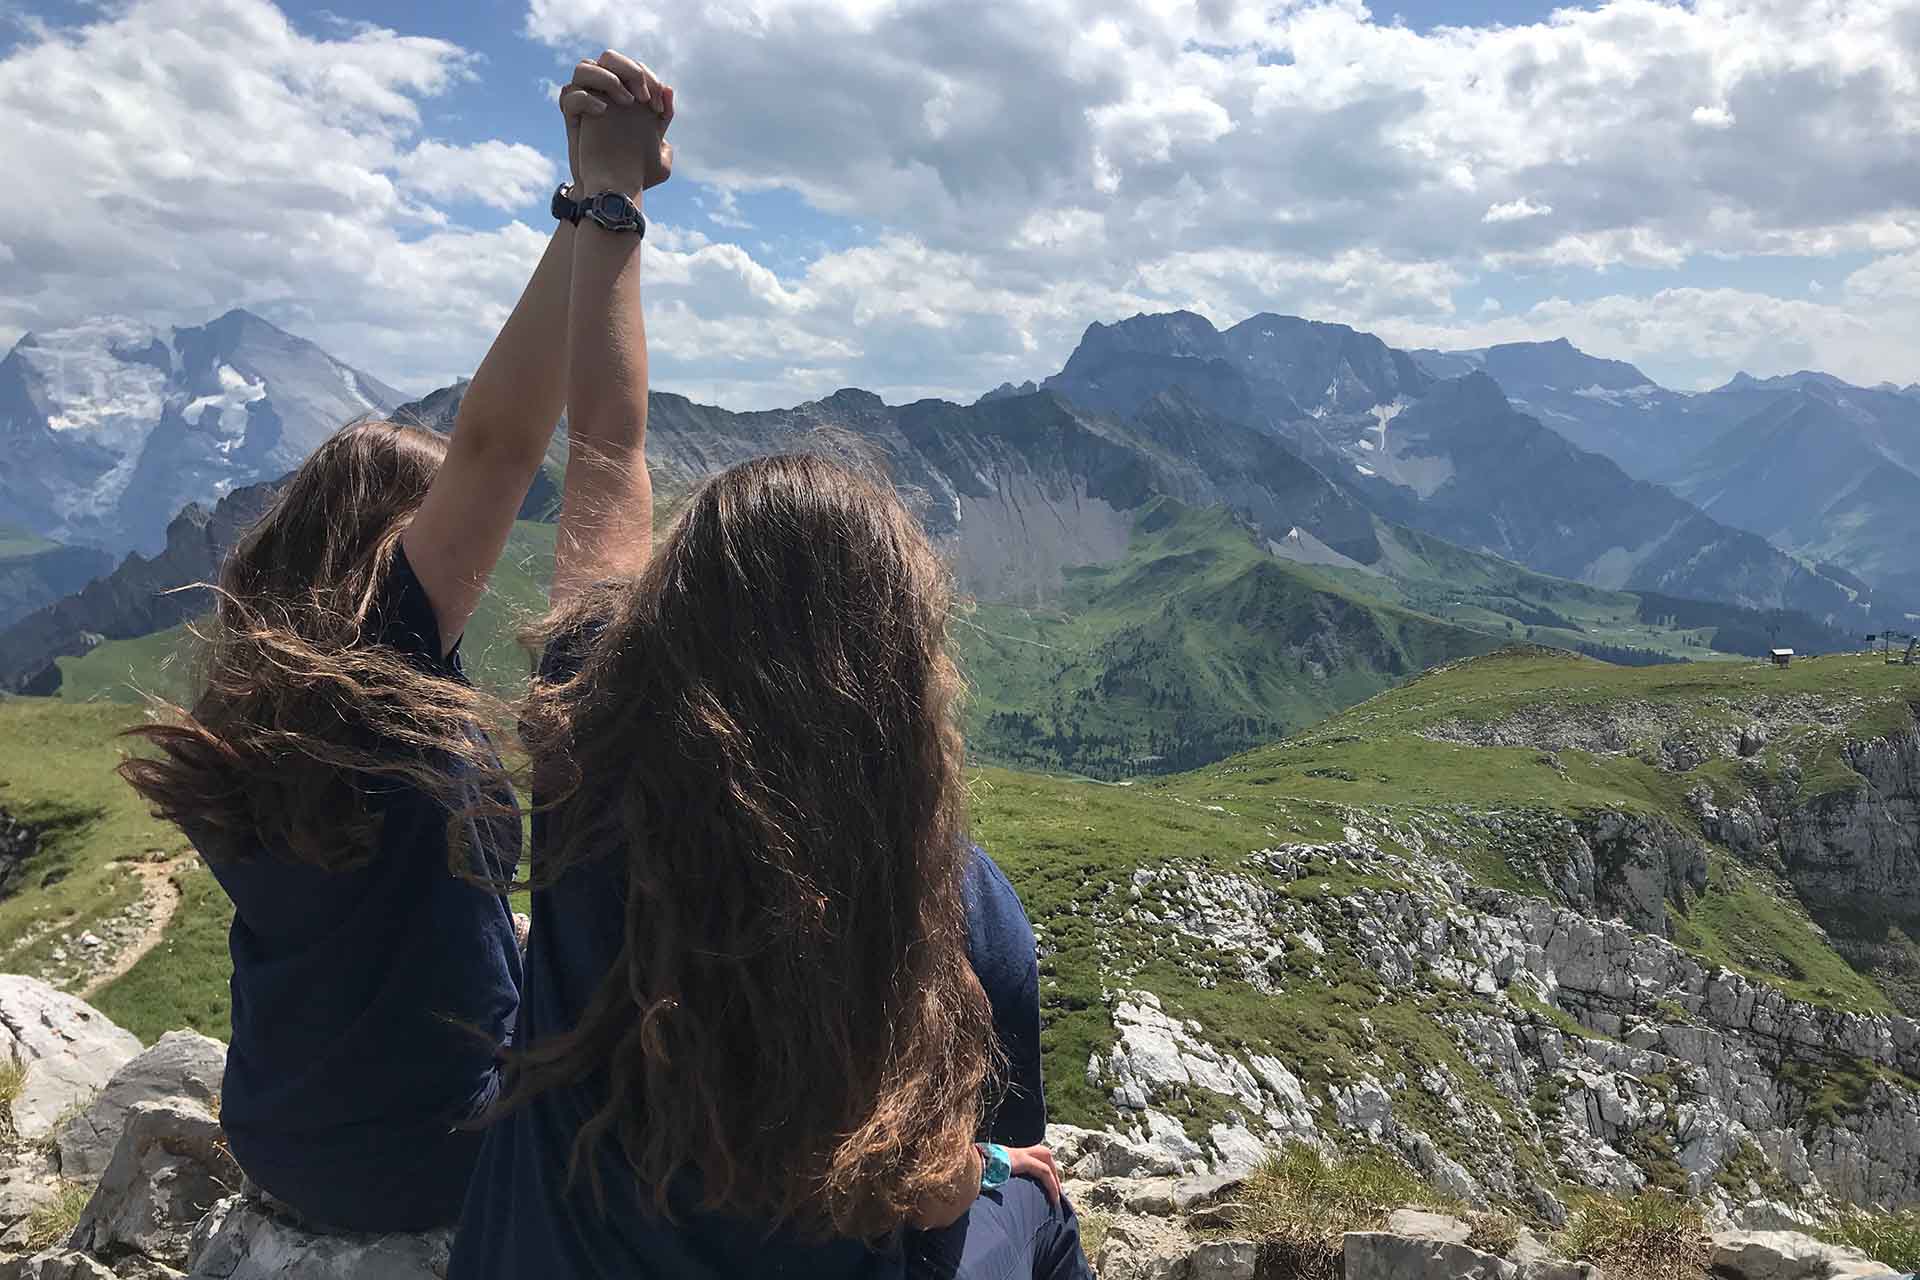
x=1072, y=846
x=1197, y=644
x=56, y=773
x=126, y=670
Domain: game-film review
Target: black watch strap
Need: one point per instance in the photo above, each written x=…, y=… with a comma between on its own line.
x=565, y=207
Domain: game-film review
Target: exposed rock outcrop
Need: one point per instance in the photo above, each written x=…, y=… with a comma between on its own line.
x=1862, y=843
x=241, y=1239
x=67, y=1048
x=168, y=1171
x=182, y=1065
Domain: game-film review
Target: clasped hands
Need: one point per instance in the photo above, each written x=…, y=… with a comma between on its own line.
x=617, y=113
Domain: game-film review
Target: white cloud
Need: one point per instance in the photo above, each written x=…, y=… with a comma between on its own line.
x=1010, y=171
x=1515, y=211
x=205, y=154
x=1300, y=156
x=505, y=175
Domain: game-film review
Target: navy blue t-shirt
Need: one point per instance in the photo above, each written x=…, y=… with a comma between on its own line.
x=368, y=1003
x=523, y=1219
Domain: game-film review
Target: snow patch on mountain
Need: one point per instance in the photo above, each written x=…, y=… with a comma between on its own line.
x=113, y=425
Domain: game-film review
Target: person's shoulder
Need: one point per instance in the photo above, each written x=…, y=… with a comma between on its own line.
x=984, y=876
x=993, y=904
x=403, y=616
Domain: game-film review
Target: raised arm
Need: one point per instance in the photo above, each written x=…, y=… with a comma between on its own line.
x=606, y=515
x=500, y=434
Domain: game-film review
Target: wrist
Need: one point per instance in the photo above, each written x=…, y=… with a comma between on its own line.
x=598, y=186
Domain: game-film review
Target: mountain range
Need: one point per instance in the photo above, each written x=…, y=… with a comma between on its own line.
x=1819, y=467
x=1170, y=567
x=1451, y=456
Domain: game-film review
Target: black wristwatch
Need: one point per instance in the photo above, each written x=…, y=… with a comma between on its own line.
x=613, y=211
x=565, y=207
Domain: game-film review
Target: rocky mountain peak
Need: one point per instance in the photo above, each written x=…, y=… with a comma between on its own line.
x=1324, y=368
x=1560, y=365
x=116, y=424
x=1170, y=333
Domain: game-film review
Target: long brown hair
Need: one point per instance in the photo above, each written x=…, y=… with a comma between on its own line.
x=299, y=713
x=763, y=731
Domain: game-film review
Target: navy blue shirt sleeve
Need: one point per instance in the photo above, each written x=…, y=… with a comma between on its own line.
x=1000, y=943
x=403, y=619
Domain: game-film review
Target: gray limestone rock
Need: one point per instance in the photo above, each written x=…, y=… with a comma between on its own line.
x=1382, y=1255
x=69, y=1049
x=56, y=1264
x=241, y=1239
x=1788, y=1255
x=1143, y=1249
x=170, y=1167
x=182, y=1064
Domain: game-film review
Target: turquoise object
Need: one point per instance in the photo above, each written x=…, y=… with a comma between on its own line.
x=996, y=1166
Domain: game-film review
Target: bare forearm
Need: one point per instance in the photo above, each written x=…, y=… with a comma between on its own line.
x=607, y=529
x=499, y=438
x=520, y=389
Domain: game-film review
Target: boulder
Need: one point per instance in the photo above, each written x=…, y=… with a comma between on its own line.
x=1144, y=1249
x=183, y=1064
x=56, y=1264
x=242, y=1239
x=170, y=1168
x=1383, y=1255
x=1203, y=1190
x=69, y=1050
x=1537, y=1262
x=1224, y=1260
x=1428, y=1226
x=1788, y=1255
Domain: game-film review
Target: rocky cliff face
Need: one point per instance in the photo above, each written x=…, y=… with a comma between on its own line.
x=140, y=1158
x=1524, y=1045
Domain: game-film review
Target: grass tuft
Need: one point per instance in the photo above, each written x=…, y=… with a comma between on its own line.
x=1093, y=1231
x=13, y=1078
x=1891, y=1239
x=1653, y=1236
x=53, y=1222
x=1300, y=1203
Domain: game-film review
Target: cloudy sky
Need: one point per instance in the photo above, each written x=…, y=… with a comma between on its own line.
x=929, y=197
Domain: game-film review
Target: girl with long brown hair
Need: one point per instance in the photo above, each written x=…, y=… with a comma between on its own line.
x=751, y=1042
x=374, y=975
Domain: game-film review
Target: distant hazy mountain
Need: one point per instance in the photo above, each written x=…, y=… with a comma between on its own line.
x=1465, y=464
x=1829, y=470
x=1454, y=458
x=1264, y=370
x=1607, y=407
x=138, y=598
x=111, y=427
x=35, y=571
